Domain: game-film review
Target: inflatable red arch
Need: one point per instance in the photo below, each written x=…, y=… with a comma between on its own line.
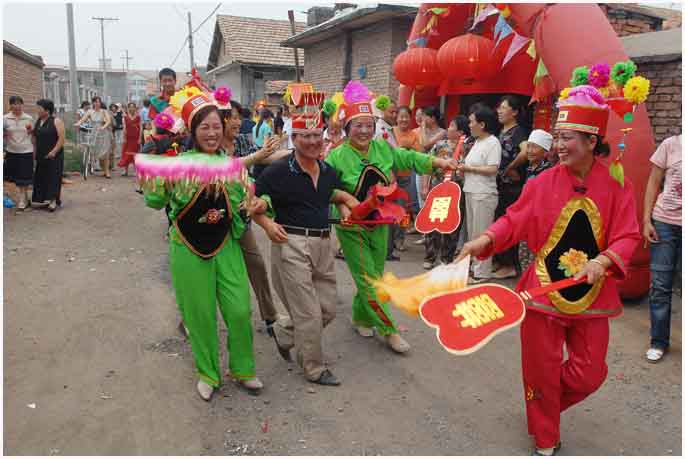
x=564, y=36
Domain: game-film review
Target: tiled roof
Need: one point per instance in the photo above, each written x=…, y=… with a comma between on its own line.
x=21, y=54
x=257, y=41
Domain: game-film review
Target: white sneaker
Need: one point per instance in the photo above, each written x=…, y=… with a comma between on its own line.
x=427, y=265
x=654, y=354
x=420, y=241
x=205, y=390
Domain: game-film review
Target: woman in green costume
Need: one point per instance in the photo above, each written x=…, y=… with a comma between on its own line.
x=206, y=261
x=361, y=162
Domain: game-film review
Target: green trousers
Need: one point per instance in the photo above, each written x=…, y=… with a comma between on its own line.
x=365, y=253
x=199, y=283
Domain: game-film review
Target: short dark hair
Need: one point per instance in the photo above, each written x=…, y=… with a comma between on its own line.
x=167, y=71
x=602, y=148
x=47, y=105
x=404, y=108
x=515, y=103
x=199, y=118
x=98, y=98
x=433, y=112
x=112, y=105
x=462, y=124
x=16, y=100
x=146, y=102
x=131, y=103
x=84, y=103
x=484, y=114
x=235, y=105
x=246, y=113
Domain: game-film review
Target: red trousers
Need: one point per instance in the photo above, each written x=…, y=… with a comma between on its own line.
x=551, y=384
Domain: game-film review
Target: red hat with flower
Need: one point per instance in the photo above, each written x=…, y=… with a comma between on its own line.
x=357, y=102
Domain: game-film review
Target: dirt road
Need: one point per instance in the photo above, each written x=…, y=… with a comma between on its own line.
x=94, y=364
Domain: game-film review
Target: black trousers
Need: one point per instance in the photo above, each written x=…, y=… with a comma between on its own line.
x=508, y=194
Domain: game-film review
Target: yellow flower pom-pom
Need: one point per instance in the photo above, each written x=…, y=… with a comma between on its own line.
x=636, y=90
x=564, y=93
x=182, y=96
x=604, y=92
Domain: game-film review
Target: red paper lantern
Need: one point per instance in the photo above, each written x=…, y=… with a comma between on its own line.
x=417, y=67
x=467, y=57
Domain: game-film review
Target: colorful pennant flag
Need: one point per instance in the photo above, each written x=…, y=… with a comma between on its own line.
x=531, y=50
x=516, y=45
x=502, y=29
x=483, y=15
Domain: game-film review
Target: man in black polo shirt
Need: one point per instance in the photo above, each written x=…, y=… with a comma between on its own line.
x=301, y=188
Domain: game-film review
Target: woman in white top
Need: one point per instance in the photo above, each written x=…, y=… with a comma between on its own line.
x=17, y=129
x=100, y=120
x=480, y=181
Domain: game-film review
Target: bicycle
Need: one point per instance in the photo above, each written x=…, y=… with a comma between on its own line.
x=87, y=161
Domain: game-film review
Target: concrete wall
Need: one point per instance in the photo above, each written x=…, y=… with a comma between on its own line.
x=23, y=79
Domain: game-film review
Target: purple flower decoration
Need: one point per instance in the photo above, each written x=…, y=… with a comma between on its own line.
x=599, y=75
x=222, y=94
x=355, y=91
x=164, y=121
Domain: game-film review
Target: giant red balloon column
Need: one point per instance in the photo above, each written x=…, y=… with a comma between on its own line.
x=417, y=67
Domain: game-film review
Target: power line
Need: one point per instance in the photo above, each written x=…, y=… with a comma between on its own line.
x=179, y=52
x=180, y=15
x=207, y=18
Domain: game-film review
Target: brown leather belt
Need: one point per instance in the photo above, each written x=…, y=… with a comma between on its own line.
x=309, y=232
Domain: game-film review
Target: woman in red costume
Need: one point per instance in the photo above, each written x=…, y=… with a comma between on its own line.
x=579, y=221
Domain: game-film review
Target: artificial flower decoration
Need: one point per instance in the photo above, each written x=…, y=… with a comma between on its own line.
x=599, y=75
x=605, y=92
x=564, y=93
x=621, y=72
x=382, y=102
x=580, y=76
x=329, y=107
x=223, y=94
x=355, y=91
x=164, y=121
x=572, y=262
x=636, y=89
x=182, y=95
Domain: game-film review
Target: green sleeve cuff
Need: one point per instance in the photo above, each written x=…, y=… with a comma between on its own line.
x=270, y=212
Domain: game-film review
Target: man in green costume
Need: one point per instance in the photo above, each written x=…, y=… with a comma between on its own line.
x=361, y=162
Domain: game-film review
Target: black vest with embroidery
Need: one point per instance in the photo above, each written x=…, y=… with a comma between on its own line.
x=204, y=224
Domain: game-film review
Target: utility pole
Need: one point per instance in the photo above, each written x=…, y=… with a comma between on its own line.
x=127, y=59
x=190, y=43
x=291, y=17
x=104, y=61
x=73, y=78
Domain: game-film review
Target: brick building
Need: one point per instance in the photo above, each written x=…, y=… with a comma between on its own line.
x=245, y=54
x=22, y=76
x=355, y=43
x=629, y=19
x=658, y=56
